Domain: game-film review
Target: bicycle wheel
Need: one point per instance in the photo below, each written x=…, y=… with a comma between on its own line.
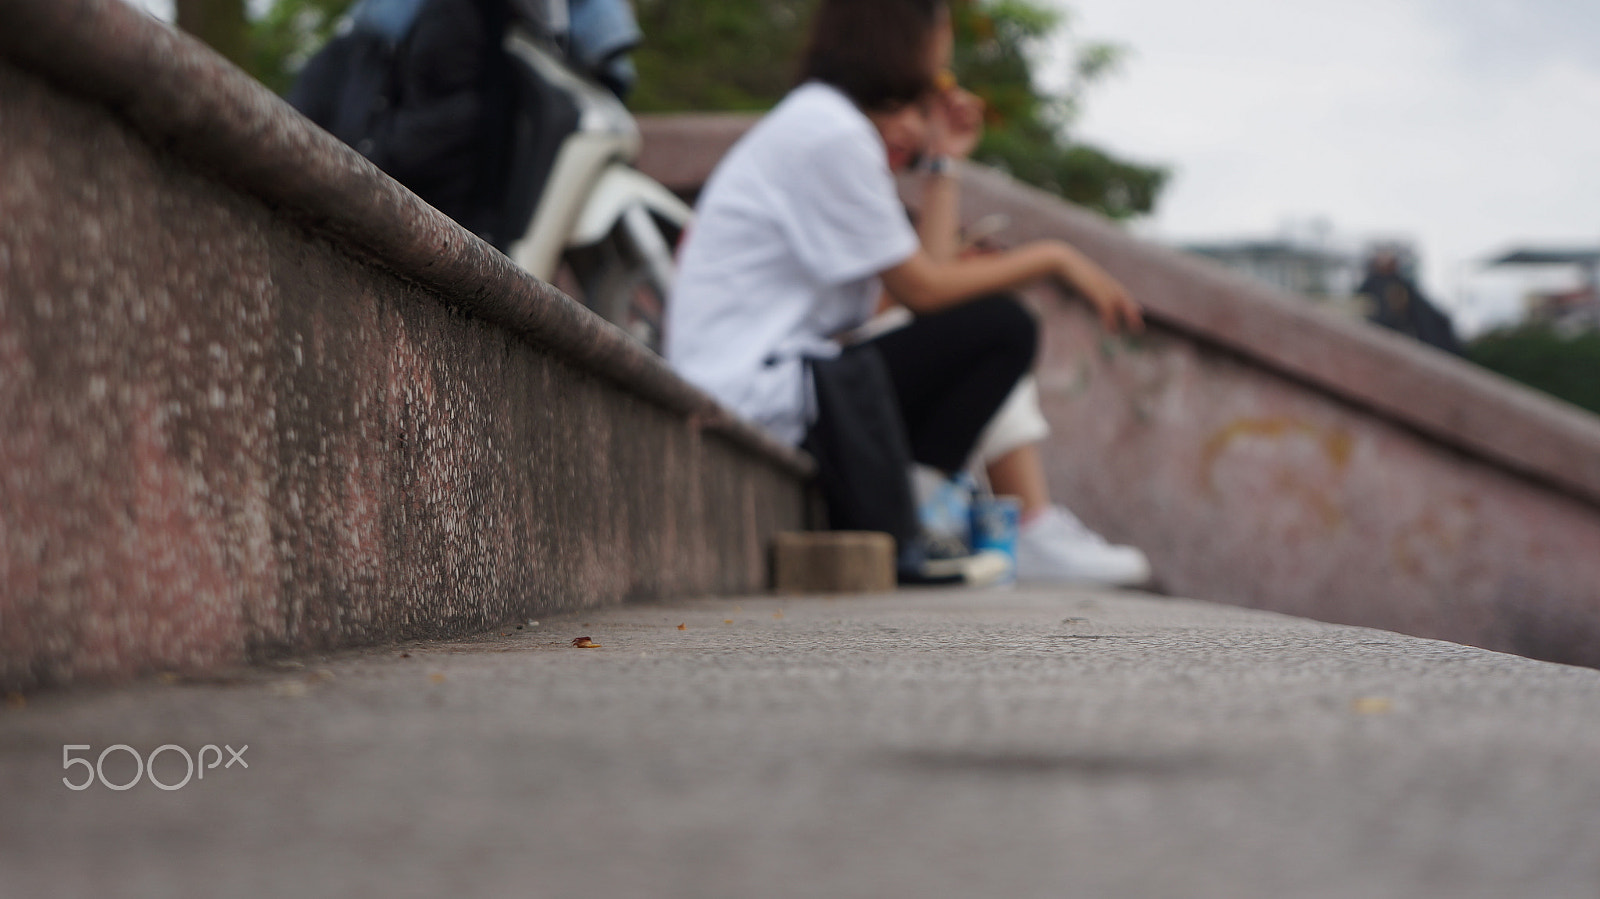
x=625, y=277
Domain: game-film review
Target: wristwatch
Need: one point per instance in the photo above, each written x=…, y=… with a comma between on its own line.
x=938, y=165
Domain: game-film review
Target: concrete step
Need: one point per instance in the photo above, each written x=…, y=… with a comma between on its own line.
x=1031, y=743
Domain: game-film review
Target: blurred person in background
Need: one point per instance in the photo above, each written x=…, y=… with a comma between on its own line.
x=1397, y=304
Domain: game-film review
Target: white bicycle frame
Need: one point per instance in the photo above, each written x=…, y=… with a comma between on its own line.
x=593, y=190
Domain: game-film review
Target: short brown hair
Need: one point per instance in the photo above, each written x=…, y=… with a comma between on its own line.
x=875, y=51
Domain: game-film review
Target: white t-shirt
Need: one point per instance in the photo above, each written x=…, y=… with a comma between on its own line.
x=790, y=234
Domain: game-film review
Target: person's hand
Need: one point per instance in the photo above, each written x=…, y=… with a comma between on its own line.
x=957, y=119
x=1117, y=310
x=1106, y=294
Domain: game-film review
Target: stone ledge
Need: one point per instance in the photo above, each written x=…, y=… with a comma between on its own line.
x=188, y=101
x=258, y=400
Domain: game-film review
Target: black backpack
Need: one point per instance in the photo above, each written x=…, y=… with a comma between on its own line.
x=385, y=86
x=350, y=86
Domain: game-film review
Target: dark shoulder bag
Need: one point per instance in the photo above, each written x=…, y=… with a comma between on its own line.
x=859, y=442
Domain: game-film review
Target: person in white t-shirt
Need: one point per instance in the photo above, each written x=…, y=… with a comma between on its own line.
x=800, y=228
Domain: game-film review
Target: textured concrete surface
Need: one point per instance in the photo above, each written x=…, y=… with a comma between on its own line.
x=1024, y=744
x=1267, y=454
x=256, y=398
x=1246, y=487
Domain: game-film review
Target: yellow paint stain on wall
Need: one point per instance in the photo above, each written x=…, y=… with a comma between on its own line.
x=1314, y=497
x=1309, y=489
x=1336, y=443
x=1440, y=534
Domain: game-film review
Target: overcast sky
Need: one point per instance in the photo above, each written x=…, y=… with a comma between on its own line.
x=1465, y=125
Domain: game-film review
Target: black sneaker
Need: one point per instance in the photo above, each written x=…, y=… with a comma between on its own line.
x=927, y=562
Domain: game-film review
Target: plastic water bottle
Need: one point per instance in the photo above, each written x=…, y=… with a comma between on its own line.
x=994, y=523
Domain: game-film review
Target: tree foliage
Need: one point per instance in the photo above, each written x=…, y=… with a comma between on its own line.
x=740, y=55
x=272, y=45
x=286, y=35
x=717, y=55
x=220, y=23
x=1562, y=365
x=1028, y=128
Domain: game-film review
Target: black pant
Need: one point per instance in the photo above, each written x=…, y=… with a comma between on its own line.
x=952, y=371
x=919, y=394
x=923, y=393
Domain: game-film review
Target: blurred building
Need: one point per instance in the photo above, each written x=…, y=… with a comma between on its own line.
x=1311, y=269
x=1576, y=309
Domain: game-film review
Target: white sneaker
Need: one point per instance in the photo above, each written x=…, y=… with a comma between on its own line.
x=1055, y=547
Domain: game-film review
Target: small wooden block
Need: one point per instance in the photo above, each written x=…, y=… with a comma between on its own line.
x=833, y=562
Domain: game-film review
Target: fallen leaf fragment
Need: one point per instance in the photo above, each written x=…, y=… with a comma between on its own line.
x=16, y=702
x=683, y=627
x=167, y=677
x=1372, y=705
x=585, y=643
x=727, y=621
x=777, y=615
x=436, y=677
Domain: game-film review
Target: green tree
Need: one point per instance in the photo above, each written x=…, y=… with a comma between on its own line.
x=287, y=33
x=220, y=23
x=1028, y=127
x=1562, y=365
x=271, y=46
x=739, y=55
x=717, y=55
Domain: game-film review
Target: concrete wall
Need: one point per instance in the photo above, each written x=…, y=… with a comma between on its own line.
x=1269, y=455
x=255, y=398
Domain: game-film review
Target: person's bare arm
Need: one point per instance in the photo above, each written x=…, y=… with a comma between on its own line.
x=924, y=284
x=939, y=277
x=956, y=124
x=939, y=217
